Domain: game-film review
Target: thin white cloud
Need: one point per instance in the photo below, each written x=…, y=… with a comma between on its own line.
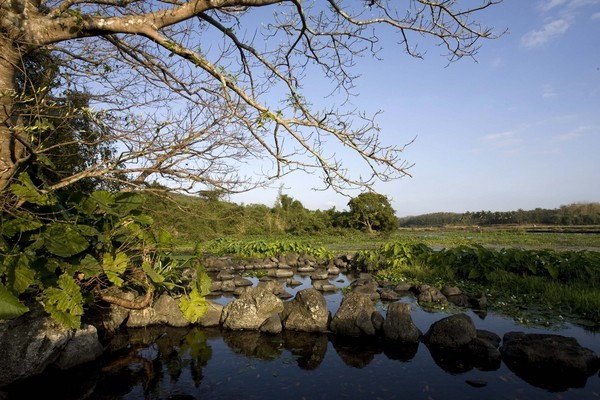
x=548, y=92
x=548, y=5
x=596, y=15
x=498, y=62
x=575, y=133
x=549, y=31
x=499, y=136
x=502, y=139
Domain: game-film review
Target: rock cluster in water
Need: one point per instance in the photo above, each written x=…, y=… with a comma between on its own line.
x=33, y=342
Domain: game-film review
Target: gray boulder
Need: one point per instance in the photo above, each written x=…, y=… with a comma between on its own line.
x=164, y=311
x=83, y=347
x=251, y=310
x=239, y=281
x=451, y=291
x=319, y=274
x=429, y=294
x=272, y=325
x=366, y=290
x=212, y=317
x=228, y=286
x=399, y=325
x=451, y=332
x=402, y=287
x=389, y=295
x=353, y=318
x=28, y=344
x=307, y=312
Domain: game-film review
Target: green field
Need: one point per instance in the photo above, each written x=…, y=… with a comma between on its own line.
x=351, y=241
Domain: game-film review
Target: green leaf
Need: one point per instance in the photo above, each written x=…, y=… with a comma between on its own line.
x=193, y=306
x=115, y=266
x=64, y=240
x=19, y=225
x=125, y=202
x=143, y=219
x=88, y=266
x=65, y=302
x=164, y=238
x=552, y=270
x=152, y=273
x=10, y=306
x=87, y=230
x=26, y=190
x=20, y=275
x=103, y=199
x=203, y=281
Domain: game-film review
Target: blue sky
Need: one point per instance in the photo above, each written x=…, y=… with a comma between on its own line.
x=519, y=128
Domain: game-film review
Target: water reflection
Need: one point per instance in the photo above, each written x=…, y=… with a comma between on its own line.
x=162, y=362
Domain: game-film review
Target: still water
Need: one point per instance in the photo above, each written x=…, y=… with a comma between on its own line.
x=195, y=363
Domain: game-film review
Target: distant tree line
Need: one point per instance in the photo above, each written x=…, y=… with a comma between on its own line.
x=208, y=215
x=572, y=214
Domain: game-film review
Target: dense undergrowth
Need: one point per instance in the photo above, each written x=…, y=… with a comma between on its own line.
x=67, y=251
x=565, y=281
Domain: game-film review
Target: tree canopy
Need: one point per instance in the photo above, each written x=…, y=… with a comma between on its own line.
x=372, y=212
x=190, y=91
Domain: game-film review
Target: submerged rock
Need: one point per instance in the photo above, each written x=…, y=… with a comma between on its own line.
x=353, y=318
x=251, y=310
x=307, y=312
x=399, y=325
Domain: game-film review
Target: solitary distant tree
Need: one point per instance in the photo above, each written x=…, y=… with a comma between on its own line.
x=372, y=212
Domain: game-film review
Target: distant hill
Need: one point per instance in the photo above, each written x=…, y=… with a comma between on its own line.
x=572, y=214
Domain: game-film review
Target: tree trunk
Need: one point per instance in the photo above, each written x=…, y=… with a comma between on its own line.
x=12, y=136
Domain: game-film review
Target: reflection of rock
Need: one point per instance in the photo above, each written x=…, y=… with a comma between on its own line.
x=400, y=351
x=451, y=332
x=353, y=318
x=310, y=348
x=399, y=325
x=307, y=312
x=355, y=352
x=251, y=310
x=254, y=344
x=552, y=362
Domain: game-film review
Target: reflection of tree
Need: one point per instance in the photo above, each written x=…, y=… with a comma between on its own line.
x=254, y=344
x=176, y=350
